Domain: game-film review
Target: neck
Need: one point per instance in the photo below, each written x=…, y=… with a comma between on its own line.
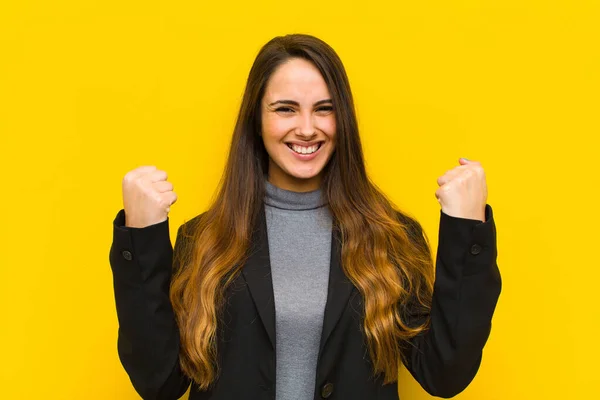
x=285, y=181
x=293, y=200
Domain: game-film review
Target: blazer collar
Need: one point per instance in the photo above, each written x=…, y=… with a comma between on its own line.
x=257, y=273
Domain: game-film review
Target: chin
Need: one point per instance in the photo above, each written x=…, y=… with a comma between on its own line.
x=304, y=176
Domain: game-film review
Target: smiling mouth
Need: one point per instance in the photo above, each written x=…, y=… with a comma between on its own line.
x=305, y=149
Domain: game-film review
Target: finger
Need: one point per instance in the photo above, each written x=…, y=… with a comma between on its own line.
x=170, y=200
x=466, y=161
x=143, y=170
x=162, y=186
x=439, y=193
x=452, y=173
x=156, y=176
x=136, y=173
x=449, y=175
x=470, y=169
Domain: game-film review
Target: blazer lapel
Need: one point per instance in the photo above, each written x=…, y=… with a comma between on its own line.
x=257, y=273
x=339, y=290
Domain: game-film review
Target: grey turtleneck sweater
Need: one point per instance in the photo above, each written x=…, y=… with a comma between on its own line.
x=299, y=236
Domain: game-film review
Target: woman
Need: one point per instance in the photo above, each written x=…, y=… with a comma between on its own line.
x=301, y=280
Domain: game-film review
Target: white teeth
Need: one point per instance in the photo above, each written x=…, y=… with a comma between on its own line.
x=304, y=150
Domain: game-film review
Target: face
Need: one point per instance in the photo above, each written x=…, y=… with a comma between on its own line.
x=298, y=125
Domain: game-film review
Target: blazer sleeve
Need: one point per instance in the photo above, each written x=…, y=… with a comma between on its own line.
x=445, y=358
x=148, y=337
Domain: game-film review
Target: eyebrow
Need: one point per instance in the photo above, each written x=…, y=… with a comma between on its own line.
x=295, y=103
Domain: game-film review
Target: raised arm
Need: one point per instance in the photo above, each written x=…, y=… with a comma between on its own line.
x=141, y=258
x=445, y=358
x=148, y=339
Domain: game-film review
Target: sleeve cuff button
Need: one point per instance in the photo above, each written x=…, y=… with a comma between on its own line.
x=475, y=249
x=127, y=255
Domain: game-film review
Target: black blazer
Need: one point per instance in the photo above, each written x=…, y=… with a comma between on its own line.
x=444, y=360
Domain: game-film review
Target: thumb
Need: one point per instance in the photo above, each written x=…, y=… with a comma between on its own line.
x=463, y=161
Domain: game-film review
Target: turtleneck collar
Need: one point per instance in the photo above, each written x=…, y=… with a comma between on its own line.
x=290, y=200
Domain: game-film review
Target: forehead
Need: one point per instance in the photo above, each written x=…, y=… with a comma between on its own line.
x=296, y=79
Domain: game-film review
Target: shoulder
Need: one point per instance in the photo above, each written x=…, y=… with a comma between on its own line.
x=184, y=244
x=188, y=227
x=411, y=223
x=414, y=230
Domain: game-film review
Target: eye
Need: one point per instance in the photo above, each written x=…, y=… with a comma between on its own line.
x=284, y=109
x=325, y=109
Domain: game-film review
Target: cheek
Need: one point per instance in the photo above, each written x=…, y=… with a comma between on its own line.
x=274, y=128
x=272, y=134
x=328, y=126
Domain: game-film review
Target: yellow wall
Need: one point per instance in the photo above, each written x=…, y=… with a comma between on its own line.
x=92, y=89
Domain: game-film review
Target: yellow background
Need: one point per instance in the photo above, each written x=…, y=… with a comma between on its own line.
x=92, y=89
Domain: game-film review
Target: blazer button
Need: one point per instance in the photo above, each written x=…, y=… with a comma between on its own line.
x=127, y=255
x=326, y=390
x=475, y=249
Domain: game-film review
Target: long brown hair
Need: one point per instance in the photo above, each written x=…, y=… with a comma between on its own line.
x=384, y=252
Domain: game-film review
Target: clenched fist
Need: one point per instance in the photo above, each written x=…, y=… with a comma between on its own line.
x=147, y=196
x=463, y=191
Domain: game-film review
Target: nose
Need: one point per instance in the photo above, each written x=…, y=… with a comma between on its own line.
x=307, y=124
